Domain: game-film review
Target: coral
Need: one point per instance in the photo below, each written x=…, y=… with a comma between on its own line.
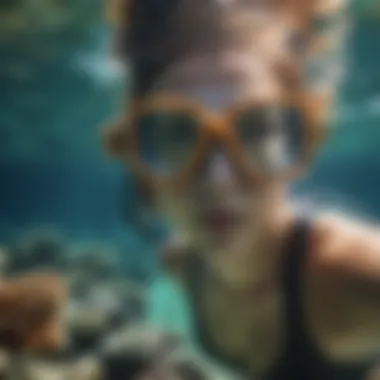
x=31, y=308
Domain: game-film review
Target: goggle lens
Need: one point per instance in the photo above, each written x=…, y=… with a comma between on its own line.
x=272, y=138
x=166, y=140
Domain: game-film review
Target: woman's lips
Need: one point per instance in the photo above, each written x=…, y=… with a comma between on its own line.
x=220, y=220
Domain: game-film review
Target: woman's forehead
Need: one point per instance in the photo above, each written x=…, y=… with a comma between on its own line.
x=217, y=81
x=253, y=38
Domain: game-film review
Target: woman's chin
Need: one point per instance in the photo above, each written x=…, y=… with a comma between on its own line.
x=216, y=238
x=223, y=242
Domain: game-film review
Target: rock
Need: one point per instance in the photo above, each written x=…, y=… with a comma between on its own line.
x=87, y=327
x=93, y=262
x=127, y=352
x=87, y=368
x=139, y=352
x=28, y=367
x=98, y=308
x=131, y=298
x=99, y=297
x=79, y=287
x=138, y=339
x=40, y=249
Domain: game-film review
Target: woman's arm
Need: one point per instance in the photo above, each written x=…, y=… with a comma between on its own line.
x=344, y=264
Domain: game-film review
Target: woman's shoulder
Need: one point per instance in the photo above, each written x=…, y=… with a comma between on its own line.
x=344, y=286
x=345, y=244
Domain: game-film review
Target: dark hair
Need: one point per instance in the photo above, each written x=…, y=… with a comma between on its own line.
x=143, y=42
x=159, y=32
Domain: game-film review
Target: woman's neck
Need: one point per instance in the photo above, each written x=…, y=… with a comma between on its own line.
x=257, y=268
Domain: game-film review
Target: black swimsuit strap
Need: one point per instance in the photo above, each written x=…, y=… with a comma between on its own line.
x=299, y=346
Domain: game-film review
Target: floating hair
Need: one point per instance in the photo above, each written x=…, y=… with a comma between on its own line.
x=152, y=33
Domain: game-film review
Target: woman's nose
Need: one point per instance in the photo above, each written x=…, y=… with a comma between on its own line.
x=217, y=168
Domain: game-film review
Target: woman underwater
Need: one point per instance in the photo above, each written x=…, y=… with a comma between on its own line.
x=222, y=119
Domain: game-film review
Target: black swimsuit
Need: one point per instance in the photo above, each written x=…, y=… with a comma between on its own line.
x=301, y=359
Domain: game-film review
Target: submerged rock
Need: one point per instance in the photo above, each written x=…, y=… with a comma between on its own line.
x=93, y=262
x=29, y=367
x=101, y=309
x=131, y=299
x=87, y=327
x=139, y=352
x=102, y=299
x=39, y=249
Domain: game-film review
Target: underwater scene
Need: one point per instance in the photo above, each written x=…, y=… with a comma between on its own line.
x=69, y=208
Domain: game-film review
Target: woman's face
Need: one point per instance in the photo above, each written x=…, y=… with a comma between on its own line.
x=221, y=210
